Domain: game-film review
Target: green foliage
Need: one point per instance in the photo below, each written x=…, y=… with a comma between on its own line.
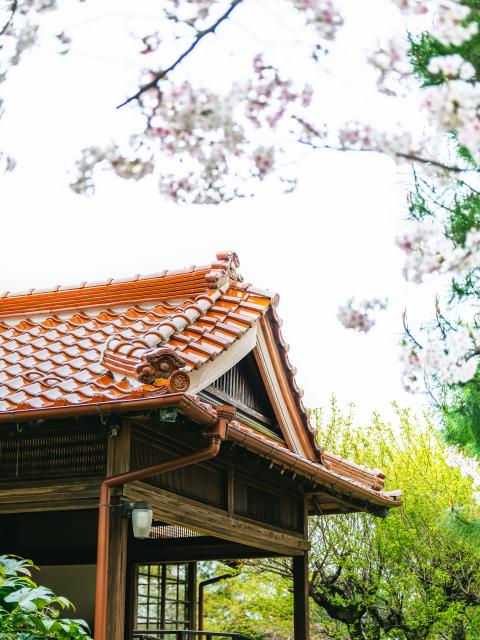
x=29, y=611
x=252, y=603
x=464, y=528
x=425, y=47
x=408, y=576
x=461, y=417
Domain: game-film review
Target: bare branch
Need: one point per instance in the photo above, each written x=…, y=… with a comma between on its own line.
x=201, y=34
x=9, y=21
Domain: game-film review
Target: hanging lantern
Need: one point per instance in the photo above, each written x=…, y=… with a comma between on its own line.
x=142, y=517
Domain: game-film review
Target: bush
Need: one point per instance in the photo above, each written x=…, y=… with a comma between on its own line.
x=29, y=611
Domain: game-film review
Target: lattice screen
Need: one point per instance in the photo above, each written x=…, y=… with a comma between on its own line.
x=56, y=454
x=162, y=598
x=162, y=531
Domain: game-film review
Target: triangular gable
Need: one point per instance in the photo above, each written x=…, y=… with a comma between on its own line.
x=258, y=356
x=242, y=386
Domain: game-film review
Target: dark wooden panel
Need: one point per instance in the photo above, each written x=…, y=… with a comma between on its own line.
x=283, y=511
x=204, y=548
x=242, y=386
x=55, y=454
x=200, y=481
x=184, y=437
x=51, y=537
x=170, y=507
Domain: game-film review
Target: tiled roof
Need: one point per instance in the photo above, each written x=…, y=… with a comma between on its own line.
x=98, y=343
x=83, y=343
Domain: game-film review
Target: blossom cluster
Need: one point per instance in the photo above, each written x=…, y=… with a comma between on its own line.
x=207, y=142
x=412, y=369
x=428, y=251
x=357, y=135
x=412, y=6
x=453, y=103
x=360, y=315
x=188, y=11
x=324, y=15
x=450, y=24
x=456, y=105
x=425, y=248
x=268, y=96
x=451, y=67
x=451, y=360
x=391, y=61
x=131, y=167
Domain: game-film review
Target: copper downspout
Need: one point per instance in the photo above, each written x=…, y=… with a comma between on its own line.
x=201, y=588
x=215, y=435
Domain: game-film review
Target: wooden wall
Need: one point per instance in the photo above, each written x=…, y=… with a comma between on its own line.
x=235, y=481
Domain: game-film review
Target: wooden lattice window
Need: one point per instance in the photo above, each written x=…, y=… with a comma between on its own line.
x=163, y=600
x=57, y=454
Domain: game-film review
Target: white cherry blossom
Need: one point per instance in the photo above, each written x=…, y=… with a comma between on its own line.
x=452, y=66
x=360, y=315
x=426, y=249
x=449, y=26
x=453, y=359
x=412, y=6
x=324, y=15
x=391, y=61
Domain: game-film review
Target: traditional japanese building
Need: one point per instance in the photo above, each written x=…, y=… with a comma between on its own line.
x=171, y=393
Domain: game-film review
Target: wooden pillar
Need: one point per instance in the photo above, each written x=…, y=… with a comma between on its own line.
x=192, y=593
x=118, y=461
x=300, y=597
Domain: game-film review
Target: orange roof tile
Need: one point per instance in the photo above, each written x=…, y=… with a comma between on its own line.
x=91, y=344
x=81, y=344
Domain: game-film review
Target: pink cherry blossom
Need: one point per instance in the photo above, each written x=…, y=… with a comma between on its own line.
x=360, y=315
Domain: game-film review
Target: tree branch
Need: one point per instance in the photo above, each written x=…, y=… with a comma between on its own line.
x=405, y=156
x=201, y=34
x=9, y=21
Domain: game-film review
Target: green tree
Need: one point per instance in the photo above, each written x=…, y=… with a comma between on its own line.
x=29, y=611
x=405, y=577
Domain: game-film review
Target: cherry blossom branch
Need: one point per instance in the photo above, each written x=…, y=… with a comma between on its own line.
x=405, y=156
x=201, y=34
x=9, y=21
x=398, y=154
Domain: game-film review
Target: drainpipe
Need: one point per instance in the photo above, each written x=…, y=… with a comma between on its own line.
x=215, y=435
x=201, y=589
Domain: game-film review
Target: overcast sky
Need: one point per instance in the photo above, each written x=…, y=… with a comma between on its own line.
x=331, y=239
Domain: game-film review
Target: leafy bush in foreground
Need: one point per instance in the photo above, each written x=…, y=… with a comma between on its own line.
x=29, y=611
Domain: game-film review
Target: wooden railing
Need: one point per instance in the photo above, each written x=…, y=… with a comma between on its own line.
x=177, y=634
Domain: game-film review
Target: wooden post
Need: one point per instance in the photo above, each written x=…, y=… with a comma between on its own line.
x=118, y=462
x=300, y=597
x=192, y=593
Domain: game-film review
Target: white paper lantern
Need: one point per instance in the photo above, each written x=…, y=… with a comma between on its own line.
x=142, y=517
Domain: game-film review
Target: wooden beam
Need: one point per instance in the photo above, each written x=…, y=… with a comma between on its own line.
x=118, y=461
x=301, y=622
x=49, y=495
x=174, y=509
x=192, y=549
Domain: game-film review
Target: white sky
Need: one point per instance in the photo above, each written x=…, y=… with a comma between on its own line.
x=331, y=239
